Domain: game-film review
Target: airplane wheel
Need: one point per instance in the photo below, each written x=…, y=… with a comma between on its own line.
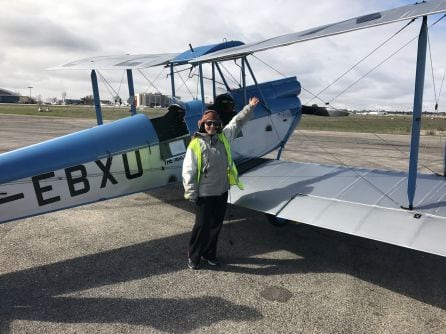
x=276, y=221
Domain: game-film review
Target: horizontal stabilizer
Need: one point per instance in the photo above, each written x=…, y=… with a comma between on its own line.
x=365, y=21
x=356, y=201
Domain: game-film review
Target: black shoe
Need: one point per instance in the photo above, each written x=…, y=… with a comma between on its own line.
x=214, y=262
x=192, y=265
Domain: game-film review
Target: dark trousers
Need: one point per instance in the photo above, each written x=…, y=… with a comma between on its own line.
x=208, y=222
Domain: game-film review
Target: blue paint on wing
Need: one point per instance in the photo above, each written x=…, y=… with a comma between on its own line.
x=202, y=50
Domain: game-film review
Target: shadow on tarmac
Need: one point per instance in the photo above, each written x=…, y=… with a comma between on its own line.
x=168, y=315
x=32, y=294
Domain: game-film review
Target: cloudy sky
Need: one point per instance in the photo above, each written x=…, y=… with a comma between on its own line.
x=36, y=35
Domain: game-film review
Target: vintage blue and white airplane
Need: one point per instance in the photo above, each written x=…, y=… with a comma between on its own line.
x=138, y=153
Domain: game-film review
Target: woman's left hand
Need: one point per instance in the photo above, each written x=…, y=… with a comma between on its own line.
x=253, y=101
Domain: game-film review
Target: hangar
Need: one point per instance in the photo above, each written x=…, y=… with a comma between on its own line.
x=7, y=96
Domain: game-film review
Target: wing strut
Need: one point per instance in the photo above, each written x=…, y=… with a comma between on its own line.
x=222, y=77
x=417, y=108
x=131, y=92
x=97, y=99
x=264, y=101
x=214, y=88
x=172, y=79
x=245, y=98
x=200, y=68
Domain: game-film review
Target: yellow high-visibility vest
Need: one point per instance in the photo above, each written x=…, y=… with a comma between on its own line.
x=233, y=178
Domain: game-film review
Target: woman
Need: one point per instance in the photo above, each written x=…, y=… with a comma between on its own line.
x=208, y=172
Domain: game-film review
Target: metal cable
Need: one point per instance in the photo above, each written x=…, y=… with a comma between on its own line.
x=382, y=62
x=432, y=68
x=382, y=139
x=150, y=82
x=441, y=87
x=354, y=171
x=185, y=85
x=283, y=75
x=361, y=60
x=120, y=84
x=108, y=85
x=234, y=80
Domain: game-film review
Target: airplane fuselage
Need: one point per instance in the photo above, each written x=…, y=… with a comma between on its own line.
x=49, y=176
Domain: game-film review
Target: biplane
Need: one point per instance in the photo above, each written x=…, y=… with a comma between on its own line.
x=138, y=153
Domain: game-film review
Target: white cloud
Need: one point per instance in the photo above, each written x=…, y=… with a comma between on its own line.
x=36, y=35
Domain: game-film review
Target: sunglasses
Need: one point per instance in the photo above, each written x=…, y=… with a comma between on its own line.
x=214, y=123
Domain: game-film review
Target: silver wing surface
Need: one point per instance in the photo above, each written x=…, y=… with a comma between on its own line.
x=118, y=62
x=365, y=21
x=357, y=201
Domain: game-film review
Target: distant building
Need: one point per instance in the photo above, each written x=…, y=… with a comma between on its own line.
x=152, y=100
x=7, y=96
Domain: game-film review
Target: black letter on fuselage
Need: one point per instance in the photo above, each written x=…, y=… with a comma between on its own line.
x=74, y=180
x=106, y=170
x=11, y=198
x=40, y=190
x=127, y=168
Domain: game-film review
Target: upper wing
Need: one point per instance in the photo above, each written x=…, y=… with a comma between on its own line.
x=361, y=22
x=118, y=62
x=234, y=49
x=127, y=61
x=356, y=201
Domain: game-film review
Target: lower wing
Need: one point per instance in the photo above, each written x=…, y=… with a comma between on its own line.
x=357, y=201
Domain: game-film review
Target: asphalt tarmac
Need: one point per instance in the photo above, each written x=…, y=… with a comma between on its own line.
x=118, y=266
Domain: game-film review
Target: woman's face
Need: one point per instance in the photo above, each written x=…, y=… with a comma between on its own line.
x=211, y=127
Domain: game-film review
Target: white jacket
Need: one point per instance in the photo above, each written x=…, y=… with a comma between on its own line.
x=214, y=179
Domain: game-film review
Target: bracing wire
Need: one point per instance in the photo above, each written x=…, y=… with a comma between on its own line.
x=432, y=69
x=410, y=41
x=371, y=70
x=441, y=86
x=382, y=62
x=361, y=60
x=269, y=113
x=316, y=96
x=269, y=66
x=185, y=85
x=152, y=83
x=357, y=173
x=375, y=67
x=283, y=75
x=197, y=88
x=234, y=80
x=208, y=79
x=120, y=84
x=159, y=74
x=108, y=86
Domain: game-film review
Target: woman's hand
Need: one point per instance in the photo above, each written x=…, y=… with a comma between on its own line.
x=253, y=101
